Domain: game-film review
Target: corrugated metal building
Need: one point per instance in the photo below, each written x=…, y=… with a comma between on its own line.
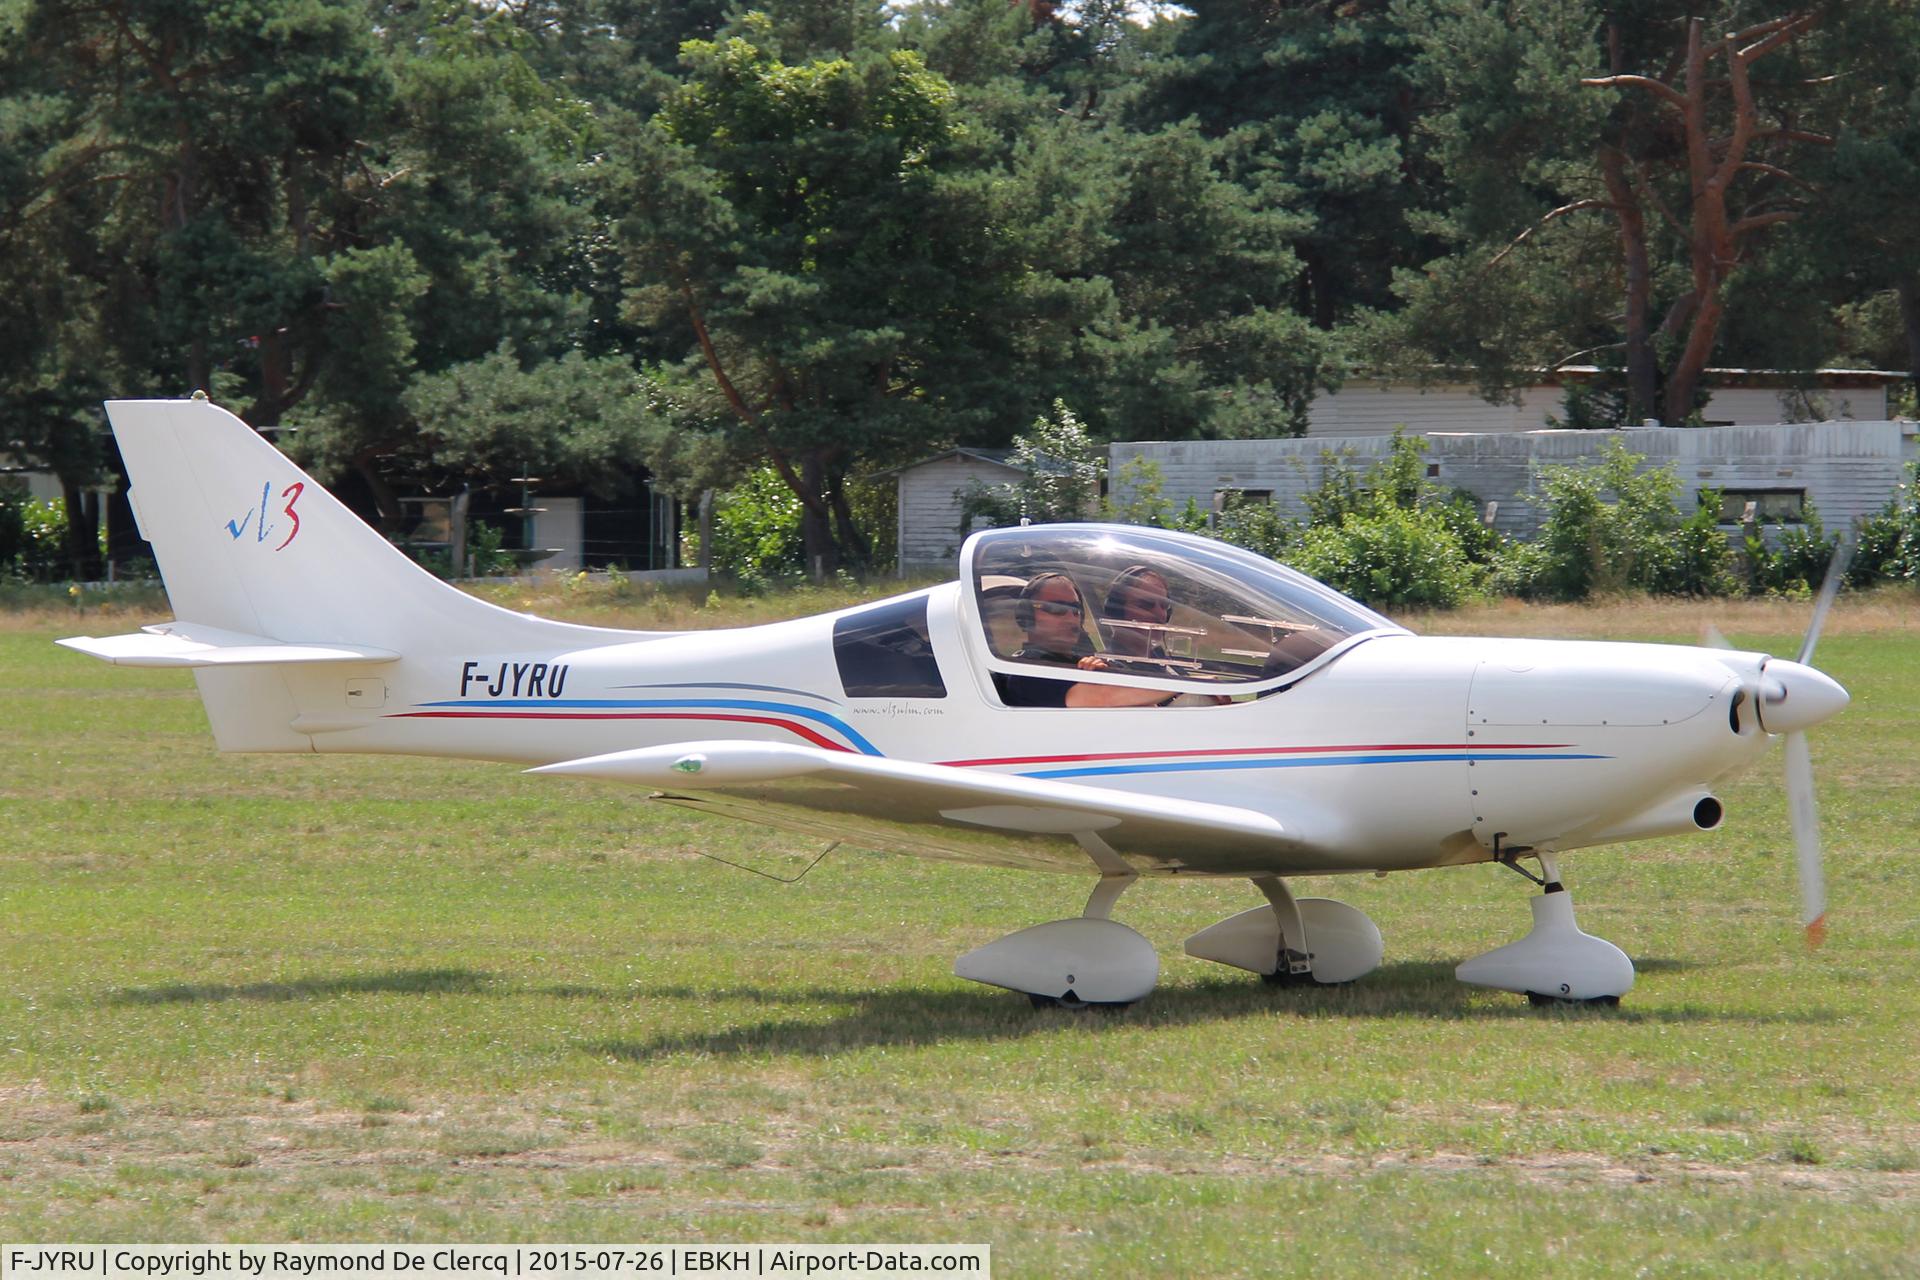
x=1736, y=397
x=1846, y=469
x=1779, y=439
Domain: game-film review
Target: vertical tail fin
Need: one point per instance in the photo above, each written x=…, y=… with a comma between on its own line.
x=247, y=542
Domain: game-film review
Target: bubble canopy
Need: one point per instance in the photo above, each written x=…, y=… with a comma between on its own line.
x=1157, y=608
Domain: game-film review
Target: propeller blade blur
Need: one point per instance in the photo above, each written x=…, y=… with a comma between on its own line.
x=1804, y=812
x=1836, y=573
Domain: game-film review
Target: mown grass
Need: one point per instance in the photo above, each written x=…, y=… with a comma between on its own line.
x=313, y=998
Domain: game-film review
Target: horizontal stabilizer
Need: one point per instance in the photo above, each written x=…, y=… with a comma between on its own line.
x=186, y=644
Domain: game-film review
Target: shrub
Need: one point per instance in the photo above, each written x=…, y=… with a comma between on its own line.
x=1889, y=544
x=1612, y=527
x=1796, y=564
x=1136, y=486
x=756, y=531
x=1060, y=471
x=1699, y=560
x=1257, y=526
x=33, y=536
x=1391, y=557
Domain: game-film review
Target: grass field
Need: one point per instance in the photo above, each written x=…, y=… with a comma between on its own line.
x=269, y=998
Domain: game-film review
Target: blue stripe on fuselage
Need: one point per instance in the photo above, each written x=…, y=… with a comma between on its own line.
x=1294, y=762
x=732, y=704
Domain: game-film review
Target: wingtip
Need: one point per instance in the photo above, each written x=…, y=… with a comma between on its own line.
x=1817, y=932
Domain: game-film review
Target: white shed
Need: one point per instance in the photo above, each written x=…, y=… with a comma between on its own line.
x=929, y=503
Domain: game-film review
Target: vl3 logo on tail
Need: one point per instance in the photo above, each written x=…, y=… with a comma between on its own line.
x=260, y=517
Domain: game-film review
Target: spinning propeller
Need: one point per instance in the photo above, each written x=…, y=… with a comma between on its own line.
x=1793, y=697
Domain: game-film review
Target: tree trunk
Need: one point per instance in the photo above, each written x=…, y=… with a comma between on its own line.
x=816, y=531
x=392, y=514
x=1909, y=293
x=852, y=541
x=1643, y=377
x=123, y=534
x=83, y=532
x=1684, y=379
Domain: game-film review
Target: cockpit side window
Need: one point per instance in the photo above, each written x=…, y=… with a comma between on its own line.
x=885, y=652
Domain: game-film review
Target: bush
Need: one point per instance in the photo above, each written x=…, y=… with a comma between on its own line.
x=1257, y=526
x=1611, y=527
x=1889, y=545
x=756, y=531
x=1392, y=557
x=1060, y=471
x=33, y=536
x=1699, y=560
x=1797, y=565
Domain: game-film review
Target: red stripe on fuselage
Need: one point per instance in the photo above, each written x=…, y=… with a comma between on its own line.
x=788, y=725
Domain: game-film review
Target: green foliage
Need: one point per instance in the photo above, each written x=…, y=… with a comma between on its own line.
x=1060, y=471
x=1391, y=556
x=486, y=554
x=1795, y=563
x=33, y=536
x=1889, y=544
x=1061, y=467
x=1610, y=527
x=1257, y=526
x=574, y=421
x=1600, y=405
x=809, y=232
x=445, y=240
x=1386, y=534
x=756, y=532
x=1137, y=485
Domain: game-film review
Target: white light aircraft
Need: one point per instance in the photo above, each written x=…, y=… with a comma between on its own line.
x=1112, y=701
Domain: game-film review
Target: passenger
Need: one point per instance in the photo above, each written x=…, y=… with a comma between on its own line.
x=1139, y=601
x=1138, y=607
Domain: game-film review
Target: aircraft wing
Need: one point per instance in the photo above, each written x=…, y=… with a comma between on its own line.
x=963, y=814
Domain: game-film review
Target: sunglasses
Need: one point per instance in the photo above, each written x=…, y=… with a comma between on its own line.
x=1057, y=607
x=1155, y=606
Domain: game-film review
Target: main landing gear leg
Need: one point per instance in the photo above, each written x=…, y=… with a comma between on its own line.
x=1088, y=961
x=1293, y=939
x=1555, y=963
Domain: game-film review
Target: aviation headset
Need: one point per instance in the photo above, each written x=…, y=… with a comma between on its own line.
x=1130, y=578
x=1023, y=607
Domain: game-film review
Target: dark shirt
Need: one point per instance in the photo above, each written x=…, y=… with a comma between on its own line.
x=1038, y=691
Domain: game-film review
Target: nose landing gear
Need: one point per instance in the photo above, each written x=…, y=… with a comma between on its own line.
x=1555, y=963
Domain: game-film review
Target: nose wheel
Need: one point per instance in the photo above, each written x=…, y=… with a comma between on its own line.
x=1556, y=963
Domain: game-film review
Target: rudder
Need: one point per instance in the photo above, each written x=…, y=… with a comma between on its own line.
x=248, y=542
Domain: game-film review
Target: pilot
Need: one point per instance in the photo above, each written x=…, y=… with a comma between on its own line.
x=1051, y=611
